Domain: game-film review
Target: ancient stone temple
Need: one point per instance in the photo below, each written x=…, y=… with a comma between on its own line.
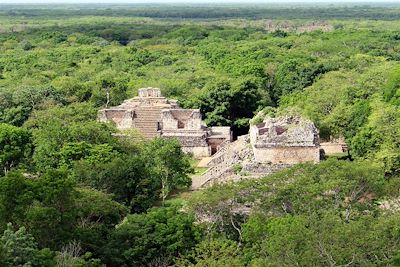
x=287, y=140
x=271, y=145
x=157, y=116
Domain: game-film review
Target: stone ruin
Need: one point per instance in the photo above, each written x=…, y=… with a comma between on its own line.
x=156, y=116
x=270, y=146
x=334, y=146
x=289, y=140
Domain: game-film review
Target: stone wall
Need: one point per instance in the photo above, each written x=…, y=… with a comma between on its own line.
x=332, y=148
x=168, y=120
x=287, y=140
x=149, y=92
x=264, y=169
x=187, y=139
x=197, y=152
x=284, y=131
x=183, y=119
x=288, y=155
x=272, y=145
x=123, y=119
x=221, y=132
x=191, y=142
x=156, y=116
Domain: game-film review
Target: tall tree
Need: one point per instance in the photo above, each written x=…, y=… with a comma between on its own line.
x=15, y=146
x=19, y=247
x=169, y=164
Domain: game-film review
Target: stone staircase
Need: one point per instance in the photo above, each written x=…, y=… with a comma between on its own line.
x=147, y=118
x=219, y=156
x=222, y=165
x=223, y=162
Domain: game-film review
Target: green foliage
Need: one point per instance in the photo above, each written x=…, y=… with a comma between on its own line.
x=237, y=168
x=223, y=104
x=169, y=164
x=18, y=104
x=16, y=195
x=59, y=66
x=304, y=241
x=158, y=235
x=26, y=45
x=70, y=255
x=19, y=247
x=303, y=189
x=259, y=118
x=52, y=200
x=378, y=138
x=52, y=206
x=294, y=75
x=59, y=126
x=93, y=154
x=97, y=214
x=138, y=179
x=126, y=177
x=213, y=253
x=15, y=146
x=350, y=104
x=309, y=215
x=109, y=91
x=392, y=90
x=188, y=34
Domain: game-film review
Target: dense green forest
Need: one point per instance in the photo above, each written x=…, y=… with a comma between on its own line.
x=72, y=193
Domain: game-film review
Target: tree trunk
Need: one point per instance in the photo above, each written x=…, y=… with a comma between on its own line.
x=108, y=97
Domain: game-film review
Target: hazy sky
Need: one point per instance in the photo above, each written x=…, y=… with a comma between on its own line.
x=188, y=1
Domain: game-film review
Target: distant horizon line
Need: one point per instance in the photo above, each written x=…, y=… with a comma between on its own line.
x=196, y=2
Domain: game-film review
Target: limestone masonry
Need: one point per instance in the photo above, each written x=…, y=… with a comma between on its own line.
x=273, y=144
x=157, y=116
x=287, y=140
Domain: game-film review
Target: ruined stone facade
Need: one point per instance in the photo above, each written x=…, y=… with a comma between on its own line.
x=334, y=146
x=270, y=146
x=288, y=140
x=157, y=116
x=186, y=126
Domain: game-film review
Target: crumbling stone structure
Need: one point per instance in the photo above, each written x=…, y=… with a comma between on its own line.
x=288, y=140
x=186, y=126
x=334, y=146
x=271, y=145
x=157, y=116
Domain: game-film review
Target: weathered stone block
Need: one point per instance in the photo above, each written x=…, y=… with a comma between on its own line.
x=154, y=115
